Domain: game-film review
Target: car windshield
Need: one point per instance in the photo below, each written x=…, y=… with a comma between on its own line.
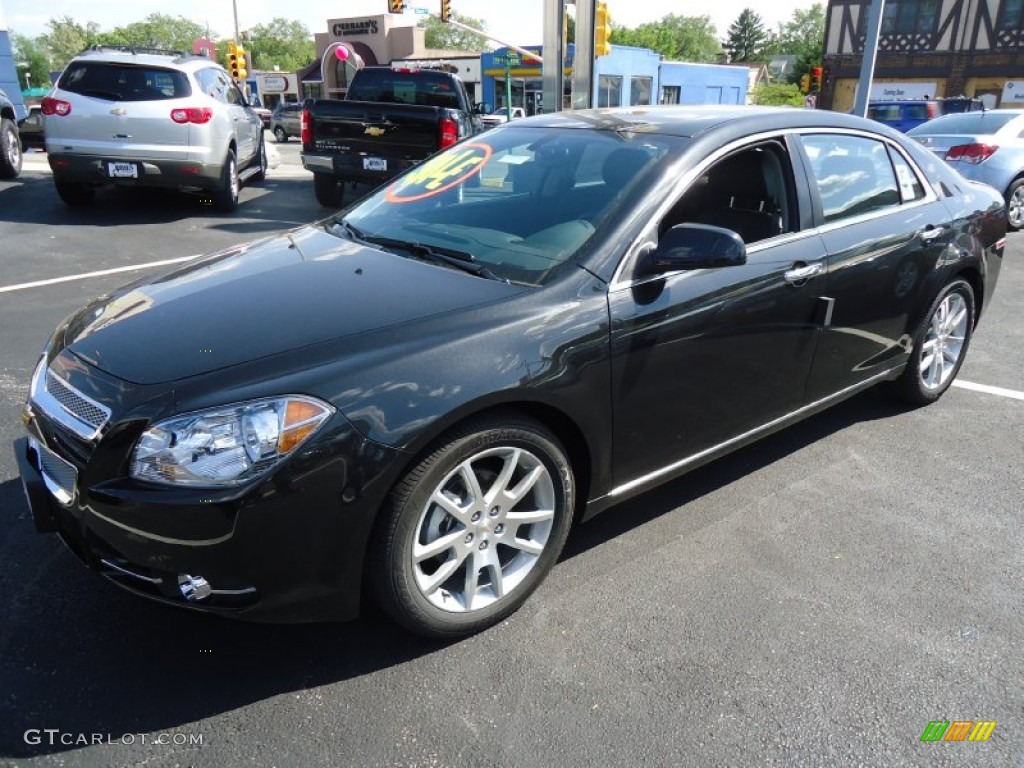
x=521, y=204
x=984, y=123
x=124, y=82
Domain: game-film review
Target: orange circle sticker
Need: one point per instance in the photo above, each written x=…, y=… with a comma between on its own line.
x=439, y=173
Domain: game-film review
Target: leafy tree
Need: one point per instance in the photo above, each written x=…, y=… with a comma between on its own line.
x=678, y=38
x=31, y=56
x=67, y=38
x=777, y=95
x=747, y=37
x=158, y=30
x=444, y=36
x=802, y=36
x=282, y=43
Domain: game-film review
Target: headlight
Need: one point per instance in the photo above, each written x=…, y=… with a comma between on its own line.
x=229, y=445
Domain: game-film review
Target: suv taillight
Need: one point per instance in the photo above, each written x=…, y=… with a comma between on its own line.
x=971, y=153
x=307, y=133
x=449, y=132
x=198, y=115
x=53, y=106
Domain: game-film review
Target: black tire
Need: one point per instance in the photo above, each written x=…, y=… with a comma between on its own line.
x=261, y=161
x=1015, y=205
x=502, y=555
x=225, y=197
x=329, y=190
x=10, y=150
x=280, y=135
x=74, y=193
x=918, y=386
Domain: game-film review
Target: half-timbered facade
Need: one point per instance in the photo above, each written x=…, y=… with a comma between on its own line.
x=927, y=48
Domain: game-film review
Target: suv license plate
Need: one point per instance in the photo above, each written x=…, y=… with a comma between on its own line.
x=123, y=170
x=375, y=164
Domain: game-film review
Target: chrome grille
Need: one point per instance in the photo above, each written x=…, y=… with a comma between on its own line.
x=58, y=476
x=75, y=403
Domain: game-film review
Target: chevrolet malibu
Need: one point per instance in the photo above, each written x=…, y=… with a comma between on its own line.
x=412, y=401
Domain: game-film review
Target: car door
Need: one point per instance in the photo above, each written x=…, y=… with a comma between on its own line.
x=884, y=231
x=246, y=124
x=700, y=358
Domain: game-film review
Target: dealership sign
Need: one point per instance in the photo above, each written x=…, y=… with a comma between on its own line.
x=1013, y=92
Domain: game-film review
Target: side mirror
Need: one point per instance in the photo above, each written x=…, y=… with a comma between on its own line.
x=695, y=246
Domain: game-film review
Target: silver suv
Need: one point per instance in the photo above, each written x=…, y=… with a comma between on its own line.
x=146, y=118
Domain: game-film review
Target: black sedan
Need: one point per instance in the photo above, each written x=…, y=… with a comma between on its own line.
x=413, y=400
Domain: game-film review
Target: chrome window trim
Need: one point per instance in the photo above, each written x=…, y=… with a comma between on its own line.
x=792, y=416
x=619, y=282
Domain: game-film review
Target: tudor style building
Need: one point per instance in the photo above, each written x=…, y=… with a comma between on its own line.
x=927, y=48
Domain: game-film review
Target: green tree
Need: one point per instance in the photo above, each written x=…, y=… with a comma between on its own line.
x=158, y=30
x=444, y=36
x=67, y=38
x=678, y=38
x=777, y=95
x=285, y=44
x=31, y=57
x=802, y=36
x=747, y=37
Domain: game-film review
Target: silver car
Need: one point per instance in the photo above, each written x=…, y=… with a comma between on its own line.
x=143, y=118
x=983, y=146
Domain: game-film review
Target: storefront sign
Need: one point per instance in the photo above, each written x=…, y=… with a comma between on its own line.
x=1013, y=92
x=354, y=28
x=275, y=83
x=893, y=91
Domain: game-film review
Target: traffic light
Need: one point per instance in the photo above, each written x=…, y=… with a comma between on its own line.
x=446, y=10
x=805, y=83
x=236, y=62
x=816, y=79
x=602, y=31
x=396, y=6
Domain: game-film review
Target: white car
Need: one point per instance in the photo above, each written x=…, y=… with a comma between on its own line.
x=147, y=118
x=500, y=116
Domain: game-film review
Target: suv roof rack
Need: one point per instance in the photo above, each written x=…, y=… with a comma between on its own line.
x=135, y=49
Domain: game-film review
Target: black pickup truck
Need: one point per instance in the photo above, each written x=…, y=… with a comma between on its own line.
x=390, y=120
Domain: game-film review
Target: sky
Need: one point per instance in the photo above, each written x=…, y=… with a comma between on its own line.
x=514, y=21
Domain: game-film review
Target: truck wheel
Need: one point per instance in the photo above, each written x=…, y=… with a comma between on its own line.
x=329, y=191
x=10, y=150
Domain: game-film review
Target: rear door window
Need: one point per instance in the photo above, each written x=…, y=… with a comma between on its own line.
x=124, y=82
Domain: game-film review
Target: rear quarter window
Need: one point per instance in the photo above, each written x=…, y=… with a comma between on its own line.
x=124, y=82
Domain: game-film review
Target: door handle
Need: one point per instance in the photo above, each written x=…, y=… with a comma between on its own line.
x=929, y=233
x=803, y=272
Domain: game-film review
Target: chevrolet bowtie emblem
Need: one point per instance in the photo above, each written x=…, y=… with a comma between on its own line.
x=375, y=131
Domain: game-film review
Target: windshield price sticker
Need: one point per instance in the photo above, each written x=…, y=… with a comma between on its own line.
x=439, y=174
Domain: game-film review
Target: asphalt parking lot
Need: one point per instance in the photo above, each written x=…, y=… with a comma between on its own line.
x=813, y=600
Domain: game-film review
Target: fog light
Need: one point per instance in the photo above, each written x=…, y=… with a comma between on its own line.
x=194, y=588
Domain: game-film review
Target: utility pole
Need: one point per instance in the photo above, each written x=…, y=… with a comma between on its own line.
x=234, y=7
x=867, y=64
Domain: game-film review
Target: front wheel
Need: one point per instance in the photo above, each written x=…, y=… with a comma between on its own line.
x=473, y=528
x=1015, y=205
x=940, y=346
x=329, y=191
x=10, y=150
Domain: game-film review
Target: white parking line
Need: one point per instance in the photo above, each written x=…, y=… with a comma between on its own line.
x=100, y=273
x=1011, y=393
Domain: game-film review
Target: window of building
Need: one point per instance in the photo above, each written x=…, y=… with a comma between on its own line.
x=905, y=17
x=609, y=91
x=1011, y=15
x=670, y=94
x=640, y=91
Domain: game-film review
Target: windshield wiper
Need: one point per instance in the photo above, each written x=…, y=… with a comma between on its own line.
x=449, y=256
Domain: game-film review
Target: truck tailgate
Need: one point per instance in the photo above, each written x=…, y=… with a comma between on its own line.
x=370, y=127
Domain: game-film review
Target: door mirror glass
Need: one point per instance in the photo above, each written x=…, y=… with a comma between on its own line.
x=696, y=246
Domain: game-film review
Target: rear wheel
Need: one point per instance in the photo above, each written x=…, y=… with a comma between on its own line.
x=473, y=528
x=1015, y=205
x=940, y=346
x=261, y=159
x=329, y=191
x=10, y=150
x=280, y=135
x=225, y=198
x=74, y=193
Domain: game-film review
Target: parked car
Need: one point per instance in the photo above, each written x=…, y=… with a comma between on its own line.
x=31, y=129
x=983, y=146
x=10, y=143
x=147, y=118
x=286, y=121
x=904, y=114
x=500, y=116
x=415, y=398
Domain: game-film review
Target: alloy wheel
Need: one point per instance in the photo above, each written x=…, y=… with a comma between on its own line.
x=944, y=342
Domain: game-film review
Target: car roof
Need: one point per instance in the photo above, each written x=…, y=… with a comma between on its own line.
x=691, y=121
x=145, y=57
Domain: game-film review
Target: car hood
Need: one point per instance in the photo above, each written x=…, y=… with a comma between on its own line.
x=302, y=288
